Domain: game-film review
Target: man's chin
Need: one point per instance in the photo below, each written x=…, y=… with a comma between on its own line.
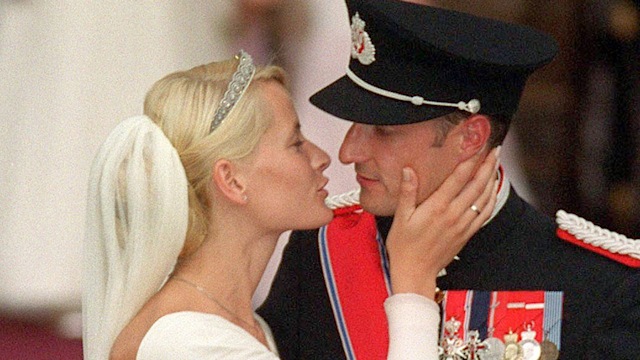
x=376, y=205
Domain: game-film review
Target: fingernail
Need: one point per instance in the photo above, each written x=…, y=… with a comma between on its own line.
x=406, y=174
x=498, y=151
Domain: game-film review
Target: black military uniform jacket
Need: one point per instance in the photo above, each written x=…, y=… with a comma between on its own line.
x=517, y=250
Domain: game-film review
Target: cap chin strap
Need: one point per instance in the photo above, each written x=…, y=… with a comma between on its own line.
x=473, y=106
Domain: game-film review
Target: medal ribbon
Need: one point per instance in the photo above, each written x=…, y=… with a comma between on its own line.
x=480, y=311
x=356, y=274
x=552, y=316
x=457, y=304
x=517, y=309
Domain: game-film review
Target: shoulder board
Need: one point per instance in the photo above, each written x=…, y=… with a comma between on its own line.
x=345, y=202
x=583, y=233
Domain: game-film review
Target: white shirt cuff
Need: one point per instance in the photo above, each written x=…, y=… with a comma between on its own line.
x=413, y=327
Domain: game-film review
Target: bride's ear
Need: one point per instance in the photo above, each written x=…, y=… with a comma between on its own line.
x=228, y=179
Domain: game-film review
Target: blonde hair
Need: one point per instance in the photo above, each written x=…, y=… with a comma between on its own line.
x=183, y=104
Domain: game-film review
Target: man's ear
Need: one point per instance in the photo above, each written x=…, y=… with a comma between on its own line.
x=227, y=178
x=475, y=134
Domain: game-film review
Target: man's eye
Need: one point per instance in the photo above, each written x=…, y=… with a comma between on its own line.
x=383, y=130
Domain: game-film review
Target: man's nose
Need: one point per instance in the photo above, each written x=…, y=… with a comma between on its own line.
x=353, y=148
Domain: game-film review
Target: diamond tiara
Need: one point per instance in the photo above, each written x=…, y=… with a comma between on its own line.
x=237, y=86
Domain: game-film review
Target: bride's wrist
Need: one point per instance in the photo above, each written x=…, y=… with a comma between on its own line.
x=421, y=287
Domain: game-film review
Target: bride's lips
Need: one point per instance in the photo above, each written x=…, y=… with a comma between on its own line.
x=322, y=189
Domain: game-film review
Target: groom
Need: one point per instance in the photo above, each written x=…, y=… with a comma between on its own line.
x=426, y=88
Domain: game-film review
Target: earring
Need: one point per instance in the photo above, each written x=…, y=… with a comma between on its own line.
x=245, y=197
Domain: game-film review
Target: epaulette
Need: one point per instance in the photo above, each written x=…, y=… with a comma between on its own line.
x=344, y=203
x=583, y=233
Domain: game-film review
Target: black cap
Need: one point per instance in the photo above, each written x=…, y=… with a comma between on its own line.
x=439, y=55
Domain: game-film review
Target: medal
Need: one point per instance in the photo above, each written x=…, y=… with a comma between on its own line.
x=548, y=350
x=549, y=347
x=474, y=346
x=474, y=324
x=494, y=349
x=512, y=350
x=530, y=347
x=452, y=346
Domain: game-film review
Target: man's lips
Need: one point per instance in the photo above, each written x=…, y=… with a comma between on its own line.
x=364, y=180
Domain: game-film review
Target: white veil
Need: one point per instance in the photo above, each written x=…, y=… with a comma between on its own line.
x=137, y=215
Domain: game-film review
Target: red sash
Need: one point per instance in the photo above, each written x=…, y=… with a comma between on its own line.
x=355, y=271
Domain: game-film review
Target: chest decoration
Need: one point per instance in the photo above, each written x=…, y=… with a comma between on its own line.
x=500, y=325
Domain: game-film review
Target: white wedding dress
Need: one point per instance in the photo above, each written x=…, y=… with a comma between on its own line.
x=195, y=335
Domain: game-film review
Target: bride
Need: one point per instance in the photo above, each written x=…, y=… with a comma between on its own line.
x=187, y=202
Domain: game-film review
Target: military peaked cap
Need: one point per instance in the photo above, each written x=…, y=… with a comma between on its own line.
x=411, y=63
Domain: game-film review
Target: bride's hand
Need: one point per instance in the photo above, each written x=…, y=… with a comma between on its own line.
x=425, y=237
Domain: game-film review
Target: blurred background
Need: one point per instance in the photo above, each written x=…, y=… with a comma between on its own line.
x=70, y=71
